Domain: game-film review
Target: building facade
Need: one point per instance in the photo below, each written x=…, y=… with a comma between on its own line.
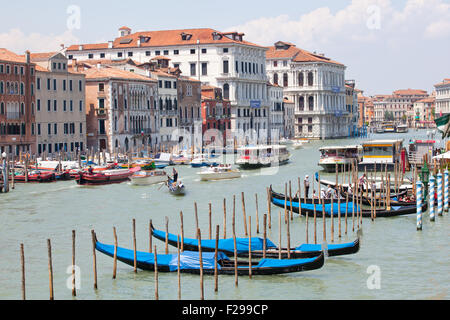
x=442, y=97
x=190, y=107
x=424, y=112
x=120, y=113
x=289, y=118
x=17, y=103
x=60, y=105
x=276, y=112
x=221, y=59
x=317, y=86
x=216, y=116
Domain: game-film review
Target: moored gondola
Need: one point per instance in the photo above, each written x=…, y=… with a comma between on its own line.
x=350, y=208
x=190, y=262
x=257, y=247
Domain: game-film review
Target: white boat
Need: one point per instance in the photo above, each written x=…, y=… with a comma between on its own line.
x=298, y=145
x=146, y=178
x=285, y=141
x=219, y=173
x=343, y=156
x=254, y=157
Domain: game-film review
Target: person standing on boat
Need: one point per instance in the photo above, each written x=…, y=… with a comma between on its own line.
x=91, y=170
x=306, y=183
x=175, y=175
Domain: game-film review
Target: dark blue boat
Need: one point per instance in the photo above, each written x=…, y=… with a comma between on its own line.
x=257, y=247
x=190, y=262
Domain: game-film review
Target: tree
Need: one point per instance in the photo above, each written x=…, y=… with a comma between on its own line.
x=388, y=116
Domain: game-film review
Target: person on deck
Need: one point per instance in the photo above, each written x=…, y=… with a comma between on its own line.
x=175, y=175
x=306, y=183
x=91, y=170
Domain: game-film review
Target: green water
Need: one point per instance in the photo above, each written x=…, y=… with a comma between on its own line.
x=412, y=264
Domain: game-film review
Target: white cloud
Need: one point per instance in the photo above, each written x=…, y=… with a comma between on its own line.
x=15, y=40
x=383, y=46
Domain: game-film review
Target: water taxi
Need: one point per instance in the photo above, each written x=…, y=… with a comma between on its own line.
x=343, y=156
x=379, y=153
x=219, y=173
x=388, y=127
x=402, y=128
x=254, y=157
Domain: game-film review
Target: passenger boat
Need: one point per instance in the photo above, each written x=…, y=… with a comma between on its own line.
x=190, y=262
x=105, y=177
x=388, y=127
x=254, y=157
x=36, y=176
x=176, y=188
x=342, y=156
x=380, y=153
x=146, y=178
x=402, y=128
x=219, y=173
x=329, y=207
x=257, y=247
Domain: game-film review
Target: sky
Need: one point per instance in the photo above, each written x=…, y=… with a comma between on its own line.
x=385, y=44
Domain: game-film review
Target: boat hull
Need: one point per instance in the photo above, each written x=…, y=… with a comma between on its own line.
x=219, y=176
x=146, y=180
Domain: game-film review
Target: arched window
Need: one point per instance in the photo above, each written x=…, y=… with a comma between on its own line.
x=275, y=78
x=310, y=79
x=311, y=103
x=285, y=80
x=2, y=108
x=226, y=91
x=301, y=103
x=301, y=79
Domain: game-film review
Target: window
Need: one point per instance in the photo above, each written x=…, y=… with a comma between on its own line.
x=49, y=129
x=157, y=52
x=38, y=101
x=55, y=128
x=70, y=56
x=176, y=52
x=301, y=79
x=130, y=54
x=49, y=105
x=38, y=83
x=39, y=129
x=64, y=85
x=310, y=79
x=275, y=63
x=148, y=53
x=285, y=80
x=102, y=55
x=64, y=105
x=48, y=84
x=225, y=50
x=119, y=54
x=80, y=85
x=225, y=67
x=204, y=51
x=55, y=105
x=70, y=85
x=81, y=128
x=81, y=105
x=91, y=56
x=193, y=69
x=192, y=51
x=237, y=66
x=166, y=52
x=204, y=69
x=167, y=84
x=275, y=78
x=226, y=91
x=101, y=87
x=55, y=87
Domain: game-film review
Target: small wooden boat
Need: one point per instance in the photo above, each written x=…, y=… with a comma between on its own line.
x=190, y=262
x=146, y=178
x=329, y=207
x=105, y=177
x=257, y=247
x=219, y=173
x=176, y=188
x=36, y=176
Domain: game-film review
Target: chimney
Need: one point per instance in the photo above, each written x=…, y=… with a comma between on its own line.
x=27, y=55
x=75, y=65
x=80, y=47
x=110, y=44
x=139, y=42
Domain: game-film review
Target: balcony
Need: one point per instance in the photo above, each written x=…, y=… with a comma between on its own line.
x=101, y=112
x=13, y=115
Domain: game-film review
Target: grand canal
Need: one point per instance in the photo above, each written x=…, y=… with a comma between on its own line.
x=411, y=264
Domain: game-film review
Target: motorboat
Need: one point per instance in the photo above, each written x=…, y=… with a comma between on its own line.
x=219, y=173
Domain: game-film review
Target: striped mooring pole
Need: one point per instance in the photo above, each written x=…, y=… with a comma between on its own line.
x=446, y=190
x=431, y=196
x=439, y=194
x=419, y=204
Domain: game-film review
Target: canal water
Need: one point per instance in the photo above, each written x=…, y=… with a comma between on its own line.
x=395, y=260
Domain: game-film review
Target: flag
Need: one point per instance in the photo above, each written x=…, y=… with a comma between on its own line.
x=442, y=124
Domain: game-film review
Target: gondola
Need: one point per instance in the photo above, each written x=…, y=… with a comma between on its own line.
x=190, y=262
x=393, y=202
x=176, y=188
x=380, y=213
x=257, y=247
x=402, y=190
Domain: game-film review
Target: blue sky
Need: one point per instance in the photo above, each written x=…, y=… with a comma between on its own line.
x=409, y=48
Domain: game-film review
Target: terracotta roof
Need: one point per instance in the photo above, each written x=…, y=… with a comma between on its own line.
x=410, y=92
x=113, y=73
x=160, y=58
x=296, y=54
x=444, y=82
x=124, y=28
x=7, y=55
x=427, y=100
x=164, y=38
x=42, y=56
